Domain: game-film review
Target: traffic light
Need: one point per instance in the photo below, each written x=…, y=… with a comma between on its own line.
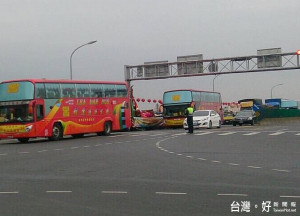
x=298, y=52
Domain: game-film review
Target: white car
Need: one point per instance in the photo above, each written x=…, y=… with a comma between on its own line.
x=204, y=119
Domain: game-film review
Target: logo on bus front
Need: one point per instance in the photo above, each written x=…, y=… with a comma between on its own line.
x=13, y=88
x=176, y=97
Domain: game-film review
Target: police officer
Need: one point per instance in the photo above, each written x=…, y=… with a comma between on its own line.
x=189, y=115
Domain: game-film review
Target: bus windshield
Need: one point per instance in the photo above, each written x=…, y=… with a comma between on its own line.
x=175, y=111
x=13, y=91
x=15, y=113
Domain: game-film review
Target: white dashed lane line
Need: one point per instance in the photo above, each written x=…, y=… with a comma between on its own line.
x=296, y=197
x=212, y=161
x=228, y=133
x=170, y=193
x=204, y=133
x=243, y=195
x=252, y=133
x=277, y=133
x=114, y=192
x=9, y=192
x=58, y=191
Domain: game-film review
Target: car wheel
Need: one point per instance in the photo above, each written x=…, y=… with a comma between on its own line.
x=210, y=125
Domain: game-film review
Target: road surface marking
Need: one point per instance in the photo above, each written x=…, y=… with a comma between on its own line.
x=178, y=134
x=290, y=197
x=42, y=151
x=114, y=192
x=75, y=147
x=189, y=156
x=232, y=194
x=204, y=133
x=58, y=191
x=116, y=136
x=202, y=159
x=9, y=192
x=87, y=146
x=298, y=134
x=154, y=135
x=170, y=193
x=277, y=133
x=280, y=170
x=225, y=134
x=216, y=161
x=3, y=154
x=179, y=154
x=254, y=167
x=250, y=134
x=58, y=149
x=233, y=164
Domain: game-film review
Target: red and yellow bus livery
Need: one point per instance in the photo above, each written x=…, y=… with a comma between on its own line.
x=54, y=108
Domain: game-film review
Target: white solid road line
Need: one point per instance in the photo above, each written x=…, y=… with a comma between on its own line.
x=277, y=133
x=170, y=193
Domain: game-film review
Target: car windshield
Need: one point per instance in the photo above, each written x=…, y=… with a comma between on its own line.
x=201, y=113
x=244, y=113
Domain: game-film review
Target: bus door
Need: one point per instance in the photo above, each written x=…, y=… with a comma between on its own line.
x=39, y=113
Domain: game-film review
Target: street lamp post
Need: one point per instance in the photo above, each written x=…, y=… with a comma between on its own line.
x=71, y=75
x=216, y=75
x=273, y=88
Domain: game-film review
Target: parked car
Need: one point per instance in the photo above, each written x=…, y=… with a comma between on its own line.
x=244, y=117
x=204, y=119
x=228, y=118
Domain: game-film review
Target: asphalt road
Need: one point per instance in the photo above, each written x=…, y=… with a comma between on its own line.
x=156, y=172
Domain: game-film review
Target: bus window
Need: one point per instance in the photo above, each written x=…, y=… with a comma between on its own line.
x=110, y=91
x=96, y=90
x=52, y=90
x=68, y=90
x=40, y=90
x=121, y=91
x=83, y=90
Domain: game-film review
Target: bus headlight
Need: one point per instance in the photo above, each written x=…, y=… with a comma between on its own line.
x=28, y=128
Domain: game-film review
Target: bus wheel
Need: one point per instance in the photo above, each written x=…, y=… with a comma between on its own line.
x=57, y=132
x=23, y=140
x=107, y=129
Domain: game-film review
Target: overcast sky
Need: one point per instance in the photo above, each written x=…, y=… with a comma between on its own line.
x=38, y=36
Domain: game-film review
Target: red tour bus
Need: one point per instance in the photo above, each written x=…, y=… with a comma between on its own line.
x=176, y=101
x=54, y=108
